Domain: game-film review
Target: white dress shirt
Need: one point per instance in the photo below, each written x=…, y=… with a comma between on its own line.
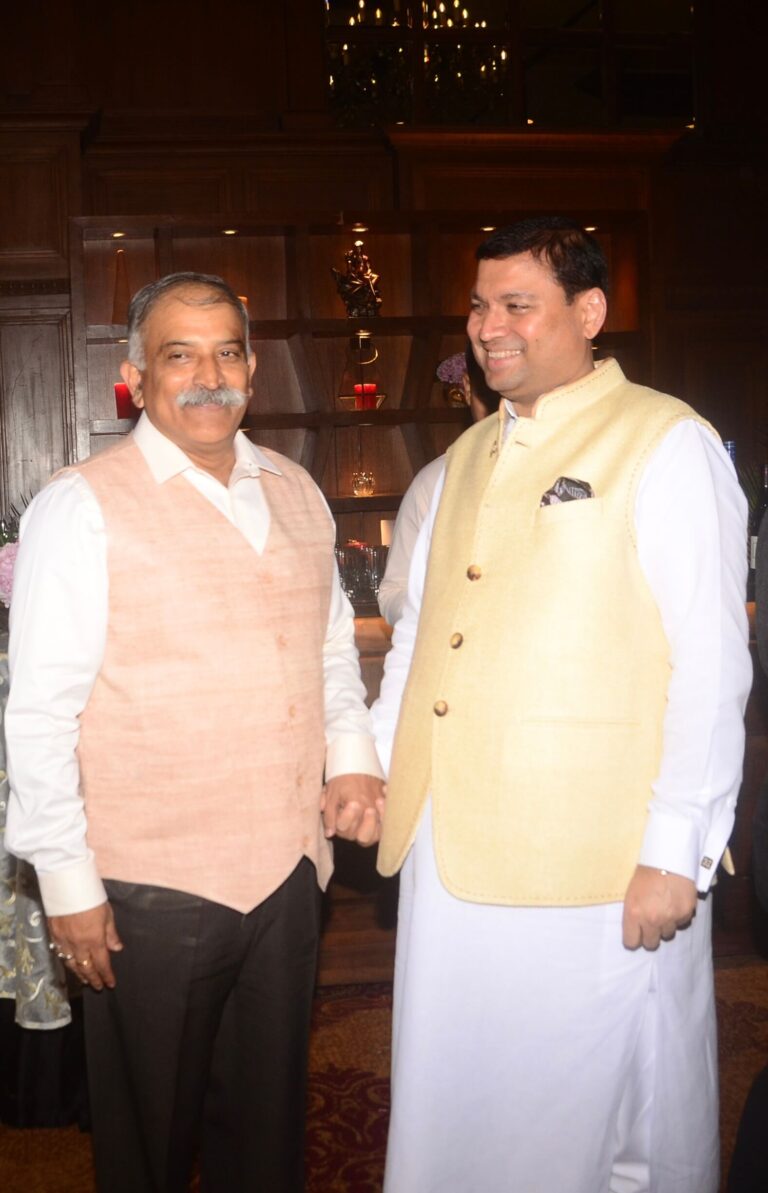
x=413, y=510
x=690, y=520
x=58, y=634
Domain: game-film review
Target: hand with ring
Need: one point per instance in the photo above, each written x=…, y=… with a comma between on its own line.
x=84, y=941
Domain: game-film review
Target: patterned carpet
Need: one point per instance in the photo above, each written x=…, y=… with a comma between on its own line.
x=349, y=1091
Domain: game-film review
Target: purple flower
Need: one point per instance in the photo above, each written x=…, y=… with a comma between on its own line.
x=452, y=369
x=7, y=561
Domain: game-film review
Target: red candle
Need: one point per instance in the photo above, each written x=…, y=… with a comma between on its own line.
x=124, y=402
x=365, y=395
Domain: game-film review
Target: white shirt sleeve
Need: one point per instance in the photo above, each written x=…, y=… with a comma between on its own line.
x=350, y=747
x=691, y=522
x=58, y=632
x=413, y=510
x=397, y=664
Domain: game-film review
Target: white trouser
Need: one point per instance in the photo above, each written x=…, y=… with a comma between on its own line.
x=533, y=1053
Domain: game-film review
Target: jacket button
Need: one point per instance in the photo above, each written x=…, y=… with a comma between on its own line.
x=440, y=708
x=456, y=641
x=474, y=572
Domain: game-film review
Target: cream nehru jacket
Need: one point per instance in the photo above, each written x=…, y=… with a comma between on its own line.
x=534, y=706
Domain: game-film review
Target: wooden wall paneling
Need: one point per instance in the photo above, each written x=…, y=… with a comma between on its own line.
x=99, y=269
x=417, y=389
x=81, y=423
x=623, y=245
x=185, y=187
x=719, y=363
x=454, y=263
x=289, y=441
x=253, y=265
x=315, y=397
x=277, y=388
x=39, y=189
x=491, y=189
x=525, y=171
x=164, y=250
x=36, y=394
x=338, y=172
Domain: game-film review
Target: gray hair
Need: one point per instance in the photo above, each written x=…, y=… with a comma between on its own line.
x=145, y=299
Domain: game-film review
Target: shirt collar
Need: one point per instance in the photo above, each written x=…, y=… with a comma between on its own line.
x=165, y=459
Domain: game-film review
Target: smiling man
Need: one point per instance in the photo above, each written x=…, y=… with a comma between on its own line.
x=183, y=675
x=570, y=675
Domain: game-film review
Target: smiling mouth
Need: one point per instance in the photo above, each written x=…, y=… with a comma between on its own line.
x=499, y=355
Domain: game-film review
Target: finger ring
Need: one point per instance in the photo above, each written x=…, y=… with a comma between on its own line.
x=53, y=946
x=66, y=956
x=85, y=963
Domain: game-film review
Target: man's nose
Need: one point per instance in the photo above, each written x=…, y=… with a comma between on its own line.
x=208, y=372
x=491, y=324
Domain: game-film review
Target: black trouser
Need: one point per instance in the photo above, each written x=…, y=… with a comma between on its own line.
x=203, y=1043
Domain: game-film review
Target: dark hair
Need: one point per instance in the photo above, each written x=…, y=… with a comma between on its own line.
x=145, y=299
x=477, y=382
x=575, y=258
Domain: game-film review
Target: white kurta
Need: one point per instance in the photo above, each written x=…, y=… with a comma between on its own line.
x=533, y=1053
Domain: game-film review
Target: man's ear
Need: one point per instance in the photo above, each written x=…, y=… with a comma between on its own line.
x=251, y=373
x=594, y=308
x=132, y=378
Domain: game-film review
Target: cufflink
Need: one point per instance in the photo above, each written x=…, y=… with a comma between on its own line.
x=707, y=863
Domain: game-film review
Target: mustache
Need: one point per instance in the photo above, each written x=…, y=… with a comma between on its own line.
x=225, y=395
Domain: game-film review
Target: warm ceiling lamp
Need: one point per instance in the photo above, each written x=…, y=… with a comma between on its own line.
x=118, y=235
x=229, y=231
x=590, y=227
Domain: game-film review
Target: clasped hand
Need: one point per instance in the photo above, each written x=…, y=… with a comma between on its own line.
x=352, y=807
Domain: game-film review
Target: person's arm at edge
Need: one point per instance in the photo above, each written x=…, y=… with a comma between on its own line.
x=761, y=594
x=691, y=528
x=413, y=510
x=353, y=797
x=397, y=663
x=58, y=629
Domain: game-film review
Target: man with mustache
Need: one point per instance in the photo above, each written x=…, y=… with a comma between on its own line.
x=571, y=671
x=183, y=675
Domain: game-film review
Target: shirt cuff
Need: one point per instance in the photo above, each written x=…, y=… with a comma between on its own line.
x=671, y=843
x=676, y=844
x=352, y=754
x=77, y=888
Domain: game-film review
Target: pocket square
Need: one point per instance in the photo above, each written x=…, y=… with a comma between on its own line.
x=566, y=488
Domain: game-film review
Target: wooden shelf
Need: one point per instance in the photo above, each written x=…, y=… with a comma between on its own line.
x=111, y=426
x=353, y=505
x=283, y=329
x=396, y=417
